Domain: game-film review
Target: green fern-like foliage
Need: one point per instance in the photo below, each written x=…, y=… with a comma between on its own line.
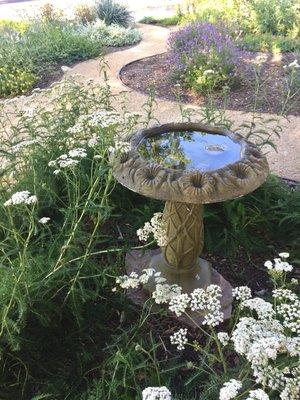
x=113, y=13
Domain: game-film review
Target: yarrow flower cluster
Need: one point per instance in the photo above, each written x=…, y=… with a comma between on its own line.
x=207, y=301
x=241, y=293
x=292, y=65
x=223, y=338
x=179, y=304
x=263, y=308
x=279, y=266
x=179, y=338
x=162, y=293
x=120, y=146
x=258, y=394
x=99, y=119
x=270, y=335
x=156, y=393
x=290, y=313
x=230, y=389
x=23, y=197
x=20, y=146
x=133, y=280
x=284, y=294
x=44, y=220
x=67, y=160
x=156, y=227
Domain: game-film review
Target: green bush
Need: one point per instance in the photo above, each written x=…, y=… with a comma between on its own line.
x=111, y=35
x=10, y=25
x=273, y=209
x=30, y=51
x=212, y=11
x=38, y=50
x=14, y=80
x=167, y=21
x=85, y=14
x=276, y=17
x=113, y=13
x=268, y=42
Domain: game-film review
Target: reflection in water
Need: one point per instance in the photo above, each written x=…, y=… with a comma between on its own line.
x=190, y=150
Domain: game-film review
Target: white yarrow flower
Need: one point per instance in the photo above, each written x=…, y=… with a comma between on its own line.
x=163, y=293
x=65, y=68
x=230, y=389
x=242, y=293
x=223, y=338
x=80, y=153
x=279, y=266
x=156, y=227
x=294, y=64
x=258, y=394
x=178, y=304
x=44, y=220
x=22, y=197
x=208, y=302
x=156, y=393
x=179, y=338
x=263, y=308
x=284, y=255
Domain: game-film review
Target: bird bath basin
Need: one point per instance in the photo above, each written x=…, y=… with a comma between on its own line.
x=187, y=165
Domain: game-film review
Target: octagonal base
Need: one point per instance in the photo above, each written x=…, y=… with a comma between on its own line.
x=200, y=276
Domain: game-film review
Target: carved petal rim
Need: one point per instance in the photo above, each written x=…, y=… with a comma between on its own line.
x=154, y=180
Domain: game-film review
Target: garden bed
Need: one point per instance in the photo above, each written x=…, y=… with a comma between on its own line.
x=154, y=71
x=55, y=74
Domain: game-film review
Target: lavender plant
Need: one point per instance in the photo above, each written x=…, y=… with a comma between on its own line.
x=203, y=56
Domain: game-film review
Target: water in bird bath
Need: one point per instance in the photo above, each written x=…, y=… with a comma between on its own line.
x=187, y=150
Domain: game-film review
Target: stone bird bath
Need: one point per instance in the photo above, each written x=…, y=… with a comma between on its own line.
x=187, y=165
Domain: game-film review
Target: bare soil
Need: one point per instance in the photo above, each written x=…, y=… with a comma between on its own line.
x=154, y=71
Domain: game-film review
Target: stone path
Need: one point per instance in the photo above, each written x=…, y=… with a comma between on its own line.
x=285, y=163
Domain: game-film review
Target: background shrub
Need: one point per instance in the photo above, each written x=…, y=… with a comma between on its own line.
x=273, y=206
x=85, y=14
x=212, y=11
x=113, y=13
x=7, y=25
x=202, y=56
x=14, y=80
x=277, y=17
x=111, y=35
x=48, y=13
x=268, y=42
x=36, y=52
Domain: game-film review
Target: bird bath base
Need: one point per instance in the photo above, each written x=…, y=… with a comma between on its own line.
x=137, y=260
x=179, y=262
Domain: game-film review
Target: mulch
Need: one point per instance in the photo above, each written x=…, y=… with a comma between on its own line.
x=154, y=71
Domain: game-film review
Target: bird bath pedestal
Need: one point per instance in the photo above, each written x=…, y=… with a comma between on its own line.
x=187, y=165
